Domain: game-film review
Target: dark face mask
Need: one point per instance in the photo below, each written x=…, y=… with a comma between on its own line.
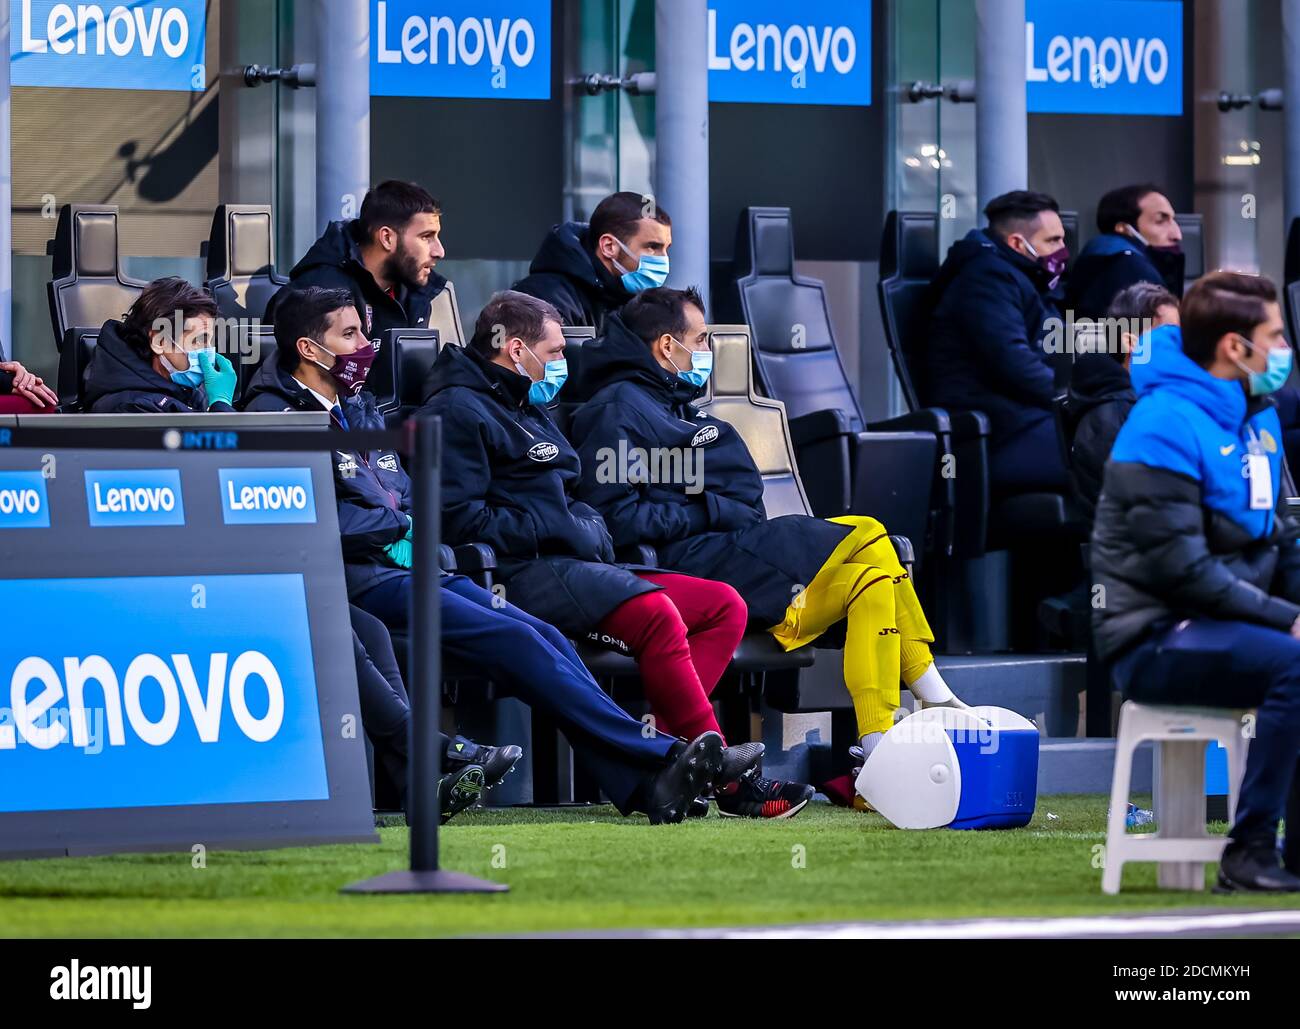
x=1170, y=262
x=350, y=370
x=1053, y=263
x=1168, y=259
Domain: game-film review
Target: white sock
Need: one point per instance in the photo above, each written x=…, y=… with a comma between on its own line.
x=931, y=690
x=869, y=742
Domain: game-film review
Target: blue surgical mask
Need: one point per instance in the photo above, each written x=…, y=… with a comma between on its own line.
x=192, y=376
x=554, y=375
x=1275, y=373
x=701, y=366
x=651, y=270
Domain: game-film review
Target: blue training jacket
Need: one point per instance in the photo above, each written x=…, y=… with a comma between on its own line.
x=1190, y=423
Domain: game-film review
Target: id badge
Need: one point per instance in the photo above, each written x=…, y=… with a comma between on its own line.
x=1261, y=482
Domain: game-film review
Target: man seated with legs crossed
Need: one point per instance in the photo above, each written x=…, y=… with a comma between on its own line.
x=321, y=363
x=507, y=479
x=799, y=575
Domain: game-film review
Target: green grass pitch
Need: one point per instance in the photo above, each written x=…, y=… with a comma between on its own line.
x=590, y=869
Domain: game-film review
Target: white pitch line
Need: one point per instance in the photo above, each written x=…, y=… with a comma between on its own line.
x=1017, y=928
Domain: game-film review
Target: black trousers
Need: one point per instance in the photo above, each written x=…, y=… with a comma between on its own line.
x=529, y=659
x=1212, y=663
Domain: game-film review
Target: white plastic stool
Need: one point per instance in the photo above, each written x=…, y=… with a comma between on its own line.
x=1180, y=843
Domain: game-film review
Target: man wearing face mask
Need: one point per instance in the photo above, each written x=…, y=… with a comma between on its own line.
x=1199, y=563
x=384, y=257
x=322, y=358
x=1139, y=241
x=508, y=477
x=1101, y=390
x=992, y=307
x=800, y=576
x=587, y=271
x=161, y=357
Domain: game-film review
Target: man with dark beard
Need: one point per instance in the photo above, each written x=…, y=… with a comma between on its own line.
x=384, y=257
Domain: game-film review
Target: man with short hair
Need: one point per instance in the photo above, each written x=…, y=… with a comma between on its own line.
x=585, y=271
x=1101, y=391
x=508, y=477
x=800, y=576
x=322, y=358
x=384, y=257
x=1197, y=562
x=992, y=307
x=1139, y=241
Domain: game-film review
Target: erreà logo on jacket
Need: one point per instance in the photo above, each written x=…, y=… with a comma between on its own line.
x=543, y=452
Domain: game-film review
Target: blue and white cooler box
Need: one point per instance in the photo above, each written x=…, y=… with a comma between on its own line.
x=975, y=768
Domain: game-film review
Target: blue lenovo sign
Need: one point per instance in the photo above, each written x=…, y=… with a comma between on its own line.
x=1104, y=56
x=253, y=496
x=775, y=52
x=140, y=45
x=178, y=703
x=137, y=496
x=23, y=501
x=494, y=49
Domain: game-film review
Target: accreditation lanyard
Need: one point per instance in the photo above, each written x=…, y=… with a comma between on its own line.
x=1260, y=474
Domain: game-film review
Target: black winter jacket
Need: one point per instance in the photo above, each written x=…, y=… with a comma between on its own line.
x=706, y=514
x=372, y=488
x=508, y=474
x=984, y=351
x=120, y=381
x=1109, y=264
x=1101, y=396
x=565, y=274
x=334, y=262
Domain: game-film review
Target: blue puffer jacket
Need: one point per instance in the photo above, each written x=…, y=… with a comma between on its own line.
x=1175, y=534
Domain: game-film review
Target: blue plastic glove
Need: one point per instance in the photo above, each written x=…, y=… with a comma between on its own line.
x=400, y=553
x=410, y=528
x=219, y=377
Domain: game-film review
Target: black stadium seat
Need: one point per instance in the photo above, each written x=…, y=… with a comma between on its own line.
x=258, y=343
x=74, y=355
x=241, y=260
x=1070, y=222
x=909, y=258
x=89, y=286
x=399, y=376
x=1291, y=280
x=567, y=400
x=1193, y=226
x=848, y=466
